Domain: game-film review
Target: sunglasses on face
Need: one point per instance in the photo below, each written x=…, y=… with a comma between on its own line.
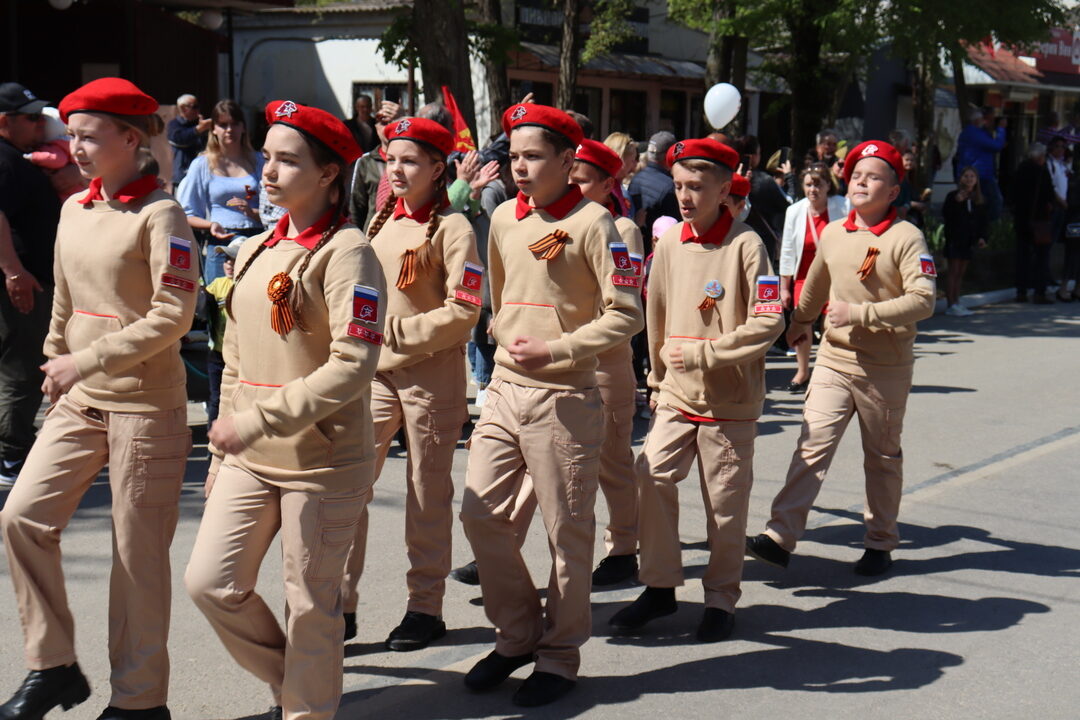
x=32, y=117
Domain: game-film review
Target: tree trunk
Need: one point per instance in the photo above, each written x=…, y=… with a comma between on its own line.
x=498, y=82
x=740, y=48
x=804, y=76
x=924, y=89
x=956, y=57
x=568, y=55
x=444, y=53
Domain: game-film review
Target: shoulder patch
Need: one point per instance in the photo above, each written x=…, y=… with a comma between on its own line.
x=179, y=253
x=472, y=276
x=366, y=334
x=768, y=288
x=178, y=282
x=768, y=309
x=620, y=255
x=926, y=265
x=365, y=303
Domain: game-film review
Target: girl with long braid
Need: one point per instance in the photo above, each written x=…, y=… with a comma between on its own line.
x=433, y=275
x=292, y=447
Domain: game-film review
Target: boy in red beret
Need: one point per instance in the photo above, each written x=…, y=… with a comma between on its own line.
x=713, y=311
x=559, y=300
x=877, y=275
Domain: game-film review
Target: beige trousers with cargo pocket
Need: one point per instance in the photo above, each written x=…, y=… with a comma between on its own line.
x=832, y=398
x=302, y=664
x=146, y=453
x=428, y=400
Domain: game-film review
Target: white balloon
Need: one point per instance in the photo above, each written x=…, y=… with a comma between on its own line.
x=722, y=104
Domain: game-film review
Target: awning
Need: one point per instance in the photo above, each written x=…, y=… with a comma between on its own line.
x=623, y=65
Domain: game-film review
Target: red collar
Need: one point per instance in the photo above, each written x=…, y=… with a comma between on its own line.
x=714, y=235
x=310, y=236
x=423, y=213
x=558, y=209
x=878, y=229
x=134, y=190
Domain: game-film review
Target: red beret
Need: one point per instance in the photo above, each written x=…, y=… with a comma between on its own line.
x=423, y=131
x=874, y=148
x=600, y=155
x=317, y=124
x=542, y=116
x=703, y=149
x=740, y=186
x=115, y=96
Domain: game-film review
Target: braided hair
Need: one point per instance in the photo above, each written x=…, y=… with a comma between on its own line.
x=338, y=197
x=423, y=253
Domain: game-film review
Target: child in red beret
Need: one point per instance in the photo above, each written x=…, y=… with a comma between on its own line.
x=713, y=312
x=877, y=276
x=560, y=299
x=126, y=274
x=292, y=447
x=433, y=276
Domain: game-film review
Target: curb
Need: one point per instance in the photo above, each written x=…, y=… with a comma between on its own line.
x=978, y=299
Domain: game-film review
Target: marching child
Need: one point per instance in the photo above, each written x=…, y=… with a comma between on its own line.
x=433, y=276
x=292, y=447
x=559, y=300
x=878, y=277
x=596, y=169
x=713, y=312
x=126, y=278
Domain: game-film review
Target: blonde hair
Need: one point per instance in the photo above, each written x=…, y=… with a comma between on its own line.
x=619, y=142
x=146, y=127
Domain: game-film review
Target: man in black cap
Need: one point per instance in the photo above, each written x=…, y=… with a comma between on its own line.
x=652, y=189
x=29, y=213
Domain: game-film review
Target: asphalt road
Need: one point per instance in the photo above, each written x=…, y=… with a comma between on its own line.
x=979, y=617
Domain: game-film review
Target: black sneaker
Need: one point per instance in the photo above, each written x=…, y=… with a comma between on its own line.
x=43, y=690
x=614, y=569
x=716, y=625
x=542, y=688
x=350, y=625
x=275, y=713
x=873, y=562
x=160, y=712
x=494, y=669
x=651, y=604
x=415, y=632
x=765, y=549
x=468, y=574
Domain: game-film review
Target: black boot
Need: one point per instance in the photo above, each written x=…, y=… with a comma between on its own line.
x=275, y=713
x=468, y=574
x=42, y=690
x=161, y=712
x=873, y=562
x=651, y=604
x=350, y=625
x=542, y=688
x=764, y=548
x=614, y=569
x=716, y=625
x=493, y=669
x=415, y=632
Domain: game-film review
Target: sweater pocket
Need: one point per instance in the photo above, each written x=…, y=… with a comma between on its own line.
x=82, y=329
x=308, y=449
x=517, y=319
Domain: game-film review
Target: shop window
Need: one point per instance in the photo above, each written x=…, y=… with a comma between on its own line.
x=628, y=113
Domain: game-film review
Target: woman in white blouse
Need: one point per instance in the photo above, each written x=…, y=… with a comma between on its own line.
x=803, y=223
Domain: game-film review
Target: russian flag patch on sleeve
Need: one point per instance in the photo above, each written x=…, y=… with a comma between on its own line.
x=365, y=303
x=179, y=253
x=472, y=276
x=926, y=265
x=621, y=256
x=768, y=288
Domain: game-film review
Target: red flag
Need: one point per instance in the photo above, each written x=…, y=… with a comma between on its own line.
x=463, y=139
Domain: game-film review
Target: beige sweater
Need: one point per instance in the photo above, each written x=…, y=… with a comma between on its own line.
x=302, y=402
x=575, y=301
x=723, y=347
x=884, y=307
x=439, y=309
x=630, y=234
x=126, y=281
